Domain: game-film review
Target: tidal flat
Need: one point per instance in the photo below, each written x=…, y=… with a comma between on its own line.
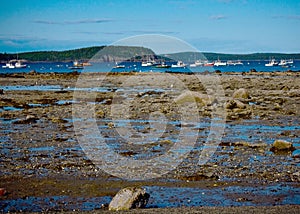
x=45, y=167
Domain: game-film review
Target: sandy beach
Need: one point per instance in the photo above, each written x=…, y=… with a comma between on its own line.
x=44, y=168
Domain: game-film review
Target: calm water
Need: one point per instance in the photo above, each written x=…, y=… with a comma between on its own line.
x=63, y=67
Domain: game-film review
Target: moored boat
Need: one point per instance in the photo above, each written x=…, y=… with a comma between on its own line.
x=272, y=62
x=197, y=63
x=76, y=65
x=147, y=64
x=220, y=63
x=119, y=66
x=285, y=62
x=234, y=62
x=14, y=64
x=179, y=64
x=208, y=64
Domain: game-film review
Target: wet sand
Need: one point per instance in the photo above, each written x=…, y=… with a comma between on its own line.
x=44, y=167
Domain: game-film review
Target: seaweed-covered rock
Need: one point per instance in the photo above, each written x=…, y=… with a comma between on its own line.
x=129, y=198
x=282, y=145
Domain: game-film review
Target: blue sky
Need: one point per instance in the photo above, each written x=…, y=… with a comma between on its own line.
x=227, y=26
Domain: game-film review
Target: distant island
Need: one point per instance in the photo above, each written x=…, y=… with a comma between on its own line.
x=121, y=53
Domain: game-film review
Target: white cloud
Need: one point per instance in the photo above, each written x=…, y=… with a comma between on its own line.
x=83, y=21
x=218, y=17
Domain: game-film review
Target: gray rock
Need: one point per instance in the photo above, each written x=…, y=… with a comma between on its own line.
x=241, y=94
x=129, y=198
x=282, y=145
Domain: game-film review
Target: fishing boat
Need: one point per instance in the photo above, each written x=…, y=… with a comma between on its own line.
x=220, y=63
x=209, y=64
x=14, y=64
x=119, y=66
x=272, y=62
x=179, y=64
x=162, y=65
x=285, y=62
x=197, y=63
x=234, y=62
x=19, y=64
x=147, y=64
x=282, y=62
x=8, y=65
x=76, y=65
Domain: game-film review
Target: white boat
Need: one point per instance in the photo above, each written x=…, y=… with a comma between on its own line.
x=179, y=64
x=14, y=64
x=234, y=62
x=20, y=65
x=76, y=65
x=197, y=63
x=147, y=64
x=286, y=63
x=282, y=62
x=219, y=63
x=119, y=66
x=272, y=62
x=7, y=65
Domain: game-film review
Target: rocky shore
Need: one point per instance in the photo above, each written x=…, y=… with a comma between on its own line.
x=255, y=166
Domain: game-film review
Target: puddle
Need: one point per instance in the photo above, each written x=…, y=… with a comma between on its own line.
x=66, y=102
x=38, y=149
x=10, y=108
x=33, y=105
x=54, y=204
x=226, y=196
x=32, y=88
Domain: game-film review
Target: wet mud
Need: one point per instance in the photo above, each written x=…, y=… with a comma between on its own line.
x=44, y=167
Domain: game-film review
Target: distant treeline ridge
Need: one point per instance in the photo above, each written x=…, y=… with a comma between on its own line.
x=119, y=53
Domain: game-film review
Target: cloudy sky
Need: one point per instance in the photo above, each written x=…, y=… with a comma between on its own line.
x=227, y=26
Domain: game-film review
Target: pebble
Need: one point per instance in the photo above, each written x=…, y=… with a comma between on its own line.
x=3, y=191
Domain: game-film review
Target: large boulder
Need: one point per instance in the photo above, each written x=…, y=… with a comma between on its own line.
x=282, y=145
x=129, y=198
x=241, y=94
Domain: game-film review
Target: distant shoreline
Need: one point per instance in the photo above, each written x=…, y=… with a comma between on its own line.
x=124, y=53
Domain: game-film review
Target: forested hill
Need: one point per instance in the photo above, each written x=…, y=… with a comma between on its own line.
x=122, y=53
x=98, y=53
x=192, y=56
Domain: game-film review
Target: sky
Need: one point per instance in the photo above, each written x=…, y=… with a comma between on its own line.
x=222, y=26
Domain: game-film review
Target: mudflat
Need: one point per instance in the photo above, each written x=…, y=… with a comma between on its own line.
x=44, y=166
